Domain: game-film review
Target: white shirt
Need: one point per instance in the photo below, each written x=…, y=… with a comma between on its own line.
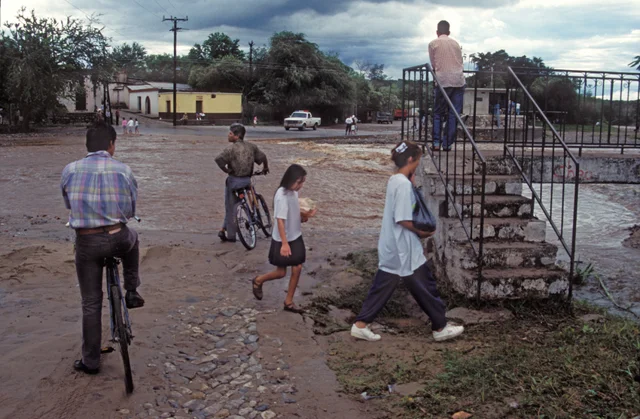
x=348, y=121
x=137, y=123
x=130, y=123
x=399, y=250
x=445, y=55
x=286, y=207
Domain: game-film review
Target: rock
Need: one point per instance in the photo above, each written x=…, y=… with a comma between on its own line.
x=253, y=414
x=147, y=406
x=461, y=415
x=220, y=344
x=262, y=407
x=268, y=415
x=169, y=367
x=245, y=411
x=123, y=411
x=253, y=403
x=235, y=404
x=288, y=399
x=262, y=389
x=174, y=395
x=212, y=410
x=468, y=316
x=229, y=312
x=222, y=414
x=185, y=391
x=173, y=404
x=252, y=347
x=194, y=405
x=252, y=338
x=592, y=318
x=407, y=389
x=198, y=395
x=206, y=359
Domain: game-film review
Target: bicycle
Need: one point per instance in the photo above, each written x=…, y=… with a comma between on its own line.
x=120, y=328
x=251, y=213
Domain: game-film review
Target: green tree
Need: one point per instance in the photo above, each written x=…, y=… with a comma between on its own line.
x=130, y=59
x=296, y=74
x=493, y=67
x=216, y=46
x=48, y=58
x=635, y=63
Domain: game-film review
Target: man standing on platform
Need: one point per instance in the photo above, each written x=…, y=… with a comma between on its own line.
x=445, y=55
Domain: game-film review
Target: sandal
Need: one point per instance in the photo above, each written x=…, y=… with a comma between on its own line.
x=223, y=235
x=257, y=289
x=293, y=308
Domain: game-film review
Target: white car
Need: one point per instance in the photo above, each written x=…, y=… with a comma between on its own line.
x=301, y=120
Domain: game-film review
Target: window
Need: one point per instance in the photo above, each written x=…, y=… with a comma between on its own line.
x=479, y=99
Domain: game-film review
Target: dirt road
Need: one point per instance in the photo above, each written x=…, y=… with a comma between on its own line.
x=203, y=346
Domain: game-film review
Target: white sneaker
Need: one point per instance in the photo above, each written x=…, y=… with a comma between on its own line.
x=364, y=334
x=449, y=332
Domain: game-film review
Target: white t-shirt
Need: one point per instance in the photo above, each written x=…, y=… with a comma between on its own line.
x=137, y=124
x=130, y=123
x=348, y=121
x=286, y=207
x=399, y=250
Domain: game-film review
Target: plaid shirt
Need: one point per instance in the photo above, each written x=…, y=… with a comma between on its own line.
x=99, y=190
x=445, y=55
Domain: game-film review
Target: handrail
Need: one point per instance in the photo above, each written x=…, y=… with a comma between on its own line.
x=556, y=137
x=476, y=158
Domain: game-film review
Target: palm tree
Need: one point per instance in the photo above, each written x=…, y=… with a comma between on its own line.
x=635, y=63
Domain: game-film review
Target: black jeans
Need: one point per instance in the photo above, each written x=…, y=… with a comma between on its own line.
x=91, y=250
x=422, y=287
x=230, y=200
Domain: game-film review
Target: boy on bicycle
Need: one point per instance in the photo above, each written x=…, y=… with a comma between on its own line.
x=100, y=193
x=237, y=161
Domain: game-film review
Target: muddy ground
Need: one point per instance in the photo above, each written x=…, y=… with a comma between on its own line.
x=183, y=265
x=203, y=346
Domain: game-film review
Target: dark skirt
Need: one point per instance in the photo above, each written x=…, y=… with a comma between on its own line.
x=298, y=253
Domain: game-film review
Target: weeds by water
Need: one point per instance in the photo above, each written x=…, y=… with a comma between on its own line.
x=548, y=361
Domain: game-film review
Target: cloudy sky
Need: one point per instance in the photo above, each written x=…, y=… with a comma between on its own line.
x=569, y=34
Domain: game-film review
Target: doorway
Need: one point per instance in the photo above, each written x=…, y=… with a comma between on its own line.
x=198, y=106
x=147, y=106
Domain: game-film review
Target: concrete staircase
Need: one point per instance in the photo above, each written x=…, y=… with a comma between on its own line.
x=517, y=262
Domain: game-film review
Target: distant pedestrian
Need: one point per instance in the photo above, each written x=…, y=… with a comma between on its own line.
x=136, y=125
x=124, y=126
x=496, y=113
x=287, y=247
x=255, y=121
x=517, y=108
x=347, y=125
x=117, y=117
x=130, y=125
x=401, y=255
x=108, y=116
x=1, y=115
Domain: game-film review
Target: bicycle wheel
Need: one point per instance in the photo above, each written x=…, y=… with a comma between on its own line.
x=263, y=216
x=121, y=331
x=246, y=228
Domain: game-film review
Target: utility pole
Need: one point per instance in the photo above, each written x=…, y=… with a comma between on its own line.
x=250, y=58
x=175, y=30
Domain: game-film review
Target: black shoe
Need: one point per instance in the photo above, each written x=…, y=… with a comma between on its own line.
x=79, y=366
x=223, y=235
x=133, y=299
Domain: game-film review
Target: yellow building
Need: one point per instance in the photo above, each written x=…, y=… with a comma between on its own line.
x=155, y=99
x=214, y=106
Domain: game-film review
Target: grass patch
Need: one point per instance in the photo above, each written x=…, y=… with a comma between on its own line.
x=546, y=362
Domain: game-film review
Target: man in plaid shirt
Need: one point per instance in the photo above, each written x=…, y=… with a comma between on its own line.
x=100, y=193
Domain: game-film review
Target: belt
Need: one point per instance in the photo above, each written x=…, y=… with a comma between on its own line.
x=112, y=229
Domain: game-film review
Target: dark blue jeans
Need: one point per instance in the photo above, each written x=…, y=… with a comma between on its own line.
x=230, y=200
x=420, y=284
x=442, y=113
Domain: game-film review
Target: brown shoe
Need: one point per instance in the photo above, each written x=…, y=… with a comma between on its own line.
x=293, y=308
x=257, y=289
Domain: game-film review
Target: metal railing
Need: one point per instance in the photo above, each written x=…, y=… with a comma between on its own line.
x=463, y=184
x=588, y=109
x=541, y=156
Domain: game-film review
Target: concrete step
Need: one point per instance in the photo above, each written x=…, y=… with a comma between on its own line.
x=505, y=254
x=514, y=283
x=494, y=184
x=508, y=228
x=494, y=206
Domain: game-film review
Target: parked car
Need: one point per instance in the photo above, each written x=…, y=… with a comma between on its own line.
x=384, y=118
x=301, y=120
